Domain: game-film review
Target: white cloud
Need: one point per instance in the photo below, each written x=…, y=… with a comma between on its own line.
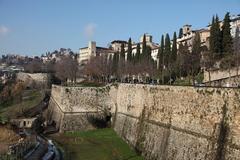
x=3, y=30
x=89, y=30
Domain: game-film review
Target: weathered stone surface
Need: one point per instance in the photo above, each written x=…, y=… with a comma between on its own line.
x=161, y=122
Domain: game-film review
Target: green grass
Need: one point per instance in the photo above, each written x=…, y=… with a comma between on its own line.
x=102, y=144
x=13, y=108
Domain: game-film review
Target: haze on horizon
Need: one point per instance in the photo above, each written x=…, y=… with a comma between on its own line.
x=35, y=27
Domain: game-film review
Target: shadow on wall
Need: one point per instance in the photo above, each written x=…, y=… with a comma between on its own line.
x=100, y=121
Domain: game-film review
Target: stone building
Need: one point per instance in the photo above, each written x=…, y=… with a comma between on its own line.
x=116, y=45
x=149, y=41
x=24, y=122
x=189, y=34
x=92, y=51
x=235, y=23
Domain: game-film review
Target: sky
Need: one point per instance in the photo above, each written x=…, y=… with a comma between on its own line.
x=34, y=27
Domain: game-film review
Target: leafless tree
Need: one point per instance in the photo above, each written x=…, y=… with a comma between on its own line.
x=34, y=66
x=67, y=69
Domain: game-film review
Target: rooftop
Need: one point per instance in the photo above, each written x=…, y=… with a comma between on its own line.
x=118, y=41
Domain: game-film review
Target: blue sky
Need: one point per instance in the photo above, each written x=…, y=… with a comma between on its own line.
x=33, y=27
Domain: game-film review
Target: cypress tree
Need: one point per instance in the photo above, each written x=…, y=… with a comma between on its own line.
x=144, y=47
x=196, y=55
x=218, y=38
x=212, y=35
x=148, y=53
x=215, y=38
x=227, y=44
x=122, y=52
x=180, y=34
x=162, y=58
x=174, y=47
x=115, y=62
x=138, y=53
x=161, y=54
x=179, y=62
x=129, y=51
x=236, y=47
x=167, y=49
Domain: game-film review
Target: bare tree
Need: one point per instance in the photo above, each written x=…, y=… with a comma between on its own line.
x=67, y=69
x=34, y=66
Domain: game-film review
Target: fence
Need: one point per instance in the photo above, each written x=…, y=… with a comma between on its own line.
x=18, y=150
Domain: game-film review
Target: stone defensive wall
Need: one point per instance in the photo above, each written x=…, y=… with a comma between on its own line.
x=77, y=108
x=160, y=122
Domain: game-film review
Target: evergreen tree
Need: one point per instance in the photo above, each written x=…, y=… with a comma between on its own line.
x=180, y=34
x=161, y=54
x=174, y=47
x=148, y=54
x=195, y=56
x=167, y=49
x=138, y=53
x=129, y=51
x=186, y=62
x=144, y=47
x=173, y=57
x=122, y=53
x=215, y=38
x=236, y=48
x=218, y=37
x=182, y=60
x=212, y=35
x=161, y=58
x=115, y=62
x=227, y=44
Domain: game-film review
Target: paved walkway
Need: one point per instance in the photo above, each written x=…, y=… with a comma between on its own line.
x=39, y=152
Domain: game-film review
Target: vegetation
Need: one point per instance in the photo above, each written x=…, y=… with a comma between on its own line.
x=221, y=44
x=98, y=144
x=87, y=84
x=15, y=99
x=14, y=108
x=176, y=60
x=129, y=51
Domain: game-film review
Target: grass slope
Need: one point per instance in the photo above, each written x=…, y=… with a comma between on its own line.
x=14, y=108
x=102, y=144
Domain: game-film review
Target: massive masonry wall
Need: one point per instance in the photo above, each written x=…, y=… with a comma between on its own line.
x=74, y=108
x=164, y=122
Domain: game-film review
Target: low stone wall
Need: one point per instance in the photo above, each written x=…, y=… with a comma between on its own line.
x=222, y=77
x=160, y=122
x=226, y=82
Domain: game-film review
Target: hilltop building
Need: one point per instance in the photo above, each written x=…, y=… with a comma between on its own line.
x=92, y=51
x=189, y=34
x=235, y=23
x=116, y=45
x=187, y=38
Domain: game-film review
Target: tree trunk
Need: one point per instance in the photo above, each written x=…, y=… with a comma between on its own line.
x=209, y=78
